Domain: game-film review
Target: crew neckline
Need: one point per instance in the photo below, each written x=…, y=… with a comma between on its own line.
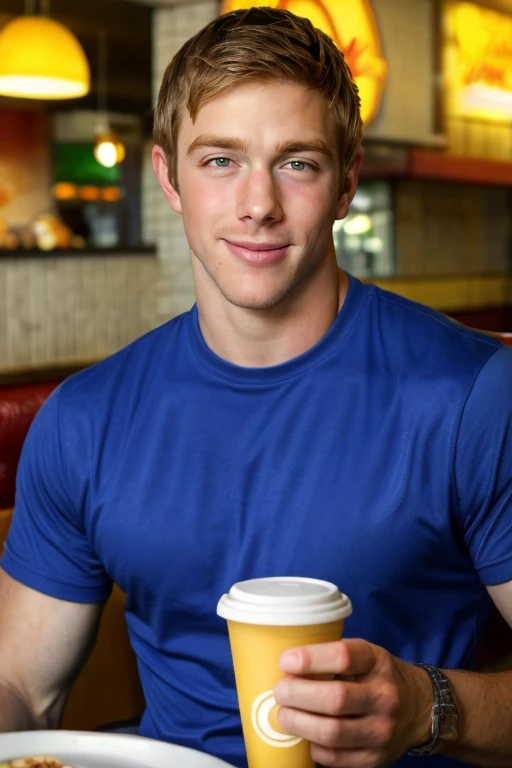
x=331, y=340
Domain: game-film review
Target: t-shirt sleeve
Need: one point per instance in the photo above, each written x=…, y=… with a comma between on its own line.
x=47, y=547
x=483, y=470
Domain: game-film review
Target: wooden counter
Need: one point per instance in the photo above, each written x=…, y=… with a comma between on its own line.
x=73, y=306
x=457, y=293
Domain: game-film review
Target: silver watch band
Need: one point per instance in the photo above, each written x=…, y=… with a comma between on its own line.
x=445, y=715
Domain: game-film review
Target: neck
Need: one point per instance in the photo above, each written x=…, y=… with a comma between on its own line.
x=263, y=338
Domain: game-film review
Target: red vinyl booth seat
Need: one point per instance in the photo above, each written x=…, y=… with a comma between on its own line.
x=108, y=688
x=18, y=406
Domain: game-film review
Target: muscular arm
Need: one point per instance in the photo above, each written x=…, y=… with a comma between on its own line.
x=381, y=707
x=485, y=705
x=43, y=644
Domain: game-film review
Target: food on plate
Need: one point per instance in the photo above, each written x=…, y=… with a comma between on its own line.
x=39, y=761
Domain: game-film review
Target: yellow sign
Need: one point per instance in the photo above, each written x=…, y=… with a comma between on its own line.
x=477, y=62
x=351, y=24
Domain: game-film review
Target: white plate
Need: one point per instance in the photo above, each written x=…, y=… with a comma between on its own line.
x=103, y=750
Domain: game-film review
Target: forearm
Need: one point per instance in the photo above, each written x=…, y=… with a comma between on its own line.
x=484, y=701
x=15, y=714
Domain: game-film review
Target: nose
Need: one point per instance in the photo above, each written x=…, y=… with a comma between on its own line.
x=259, y=198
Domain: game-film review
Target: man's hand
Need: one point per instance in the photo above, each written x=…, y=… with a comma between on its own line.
x=378, y=710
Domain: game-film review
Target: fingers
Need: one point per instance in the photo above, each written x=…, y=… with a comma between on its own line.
x=343, y=657
x=334, y=698
x=337, y=698
x=352, y=721
x=348, y=733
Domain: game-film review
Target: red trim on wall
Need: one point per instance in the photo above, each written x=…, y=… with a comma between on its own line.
x=427, y=164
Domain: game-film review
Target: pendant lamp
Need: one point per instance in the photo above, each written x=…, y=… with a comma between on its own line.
x=41, y=59
x=108, y=149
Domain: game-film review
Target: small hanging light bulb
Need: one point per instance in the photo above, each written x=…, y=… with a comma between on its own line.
x=108, y=149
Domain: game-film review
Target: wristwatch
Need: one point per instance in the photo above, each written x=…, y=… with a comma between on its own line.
x=445, y=715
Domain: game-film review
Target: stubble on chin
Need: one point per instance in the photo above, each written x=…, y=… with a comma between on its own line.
x=280, y=292
x=274, y=296
x=253, y=300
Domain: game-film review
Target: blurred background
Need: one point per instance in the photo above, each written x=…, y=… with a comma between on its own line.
x=90, y=254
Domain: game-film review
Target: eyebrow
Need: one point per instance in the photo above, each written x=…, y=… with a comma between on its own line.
x=238, y=145
x=220, y=142
x=312, y=145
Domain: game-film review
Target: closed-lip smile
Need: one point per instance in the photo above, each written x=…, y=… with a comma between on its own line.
x=250, y=246
x=258, y=254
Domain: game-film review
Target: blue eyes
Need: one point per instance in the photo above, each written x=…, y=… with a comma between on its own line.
x=224, y=162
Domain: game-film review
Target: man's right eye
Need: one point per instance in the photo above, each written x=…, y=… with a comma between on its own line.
x=220, y=162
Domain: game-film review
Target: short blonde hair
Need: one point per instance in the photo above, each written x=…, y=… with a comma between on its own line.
x=258, y=44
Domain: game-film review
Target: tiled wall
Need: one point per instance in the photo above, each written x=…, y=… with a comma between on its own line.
x=77, y=308
x=175, y=290
x=407, y=30
x=452, y=229
x=479, y=139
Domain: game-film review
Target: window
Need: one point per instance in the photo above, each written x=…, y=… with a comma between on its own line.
x=364, y=239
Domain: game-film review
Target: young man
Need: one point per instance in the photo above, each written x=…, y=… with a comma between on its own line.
x=293, y=422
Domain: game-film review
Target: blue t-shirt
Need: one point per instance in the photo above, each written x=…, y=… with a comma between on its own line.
x=380, y=460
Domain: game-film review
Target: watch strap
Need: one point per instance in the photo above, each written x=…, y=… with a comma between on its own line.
x=445, y=715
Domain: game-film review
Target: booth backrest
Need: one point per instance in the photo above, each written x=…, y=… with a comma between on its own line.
x=504, y=337
x=18, y=406
x=108, y=688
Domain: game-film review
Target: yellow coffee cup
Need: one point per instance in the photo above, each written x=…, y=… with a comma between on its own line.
x=265, y=618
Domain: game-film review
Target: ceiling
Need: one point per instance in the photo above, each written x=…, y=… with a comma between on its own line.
x=128, y=29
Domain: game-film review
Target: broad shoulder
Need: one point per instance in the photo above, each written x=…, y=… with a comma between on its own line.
x=421, y=335
x=130, y=369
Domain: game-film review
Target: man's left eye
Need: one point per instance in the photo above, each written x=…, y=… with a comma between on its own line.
x=298, y=165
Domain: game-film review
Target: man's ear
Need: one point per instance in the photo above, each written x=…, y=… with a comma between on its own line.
x=349, y=185
x=161, y=168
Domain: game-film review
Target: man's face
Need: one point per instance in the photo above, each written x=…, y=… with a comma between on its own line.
x=258, y=177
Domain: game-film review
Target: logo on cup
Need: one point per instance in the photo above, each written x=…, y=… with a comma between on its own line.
x=260, y=714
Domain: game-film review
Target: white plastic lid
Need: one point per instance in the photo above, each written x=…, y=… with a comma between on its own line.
x=284, y=601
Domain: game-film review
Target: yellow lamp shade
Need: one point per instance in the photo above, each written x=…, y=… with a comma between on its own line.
x=41, y=59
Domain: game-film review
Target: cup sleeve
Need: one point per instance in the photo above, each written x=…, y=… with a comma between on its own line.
x=483, y=470
x=47, y=547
